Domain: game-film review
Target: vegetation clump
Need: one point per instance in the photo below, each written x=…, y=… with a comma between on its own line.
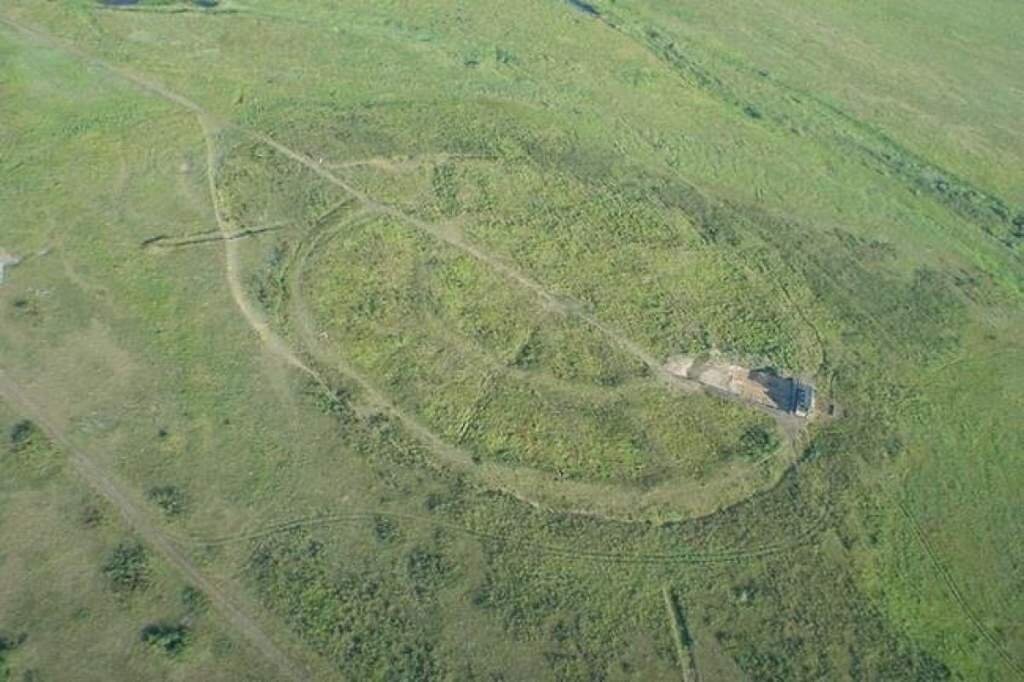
x=757, y=441
x=7, y=645
x=194, y=600
x=127, y=568
x=169, y=638
x=21, y=433
x=386, y=530
x=171, y=499
x=90, y=516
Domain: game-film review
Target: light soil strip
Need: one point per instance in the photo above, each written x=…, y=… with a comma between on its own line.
x=224, y=601
x=259, y=324
x=6, y=261
x=395, y=164
x=548, y=299
x=515, y=480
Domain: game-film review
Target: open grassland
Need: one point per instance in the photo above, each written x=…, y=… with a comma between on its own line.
x=336, y=344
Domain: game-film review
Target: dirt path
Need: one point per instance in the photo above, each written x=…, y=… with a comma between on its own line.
x=211, y=123
x=227, y=604
x=547, y=299
x=680, y=637
x=396, y=164
x=368, y=516
x=259, y=324
x=154, y=87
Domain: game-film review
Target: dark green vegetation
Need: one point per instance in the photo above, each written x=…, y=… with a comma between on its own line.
x=7, y=646
x=169, y=498
x=356, y=312
x=127, y=568
x=376, y=625
x=169, y=638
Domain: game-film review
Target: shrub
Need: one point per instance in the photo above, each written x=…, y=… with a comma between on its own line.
x=127, y=567
x=21, y=433
x=7, y=645
x=385, y=529
x=426, y=570
x=91, y=516
x=169, y=498
x=193, y=599
x=170, y=638
x=756, y=441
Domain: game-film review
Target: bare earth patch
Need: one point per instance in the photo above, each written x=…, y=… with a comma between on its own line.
x=760, y=387
x=7, y=260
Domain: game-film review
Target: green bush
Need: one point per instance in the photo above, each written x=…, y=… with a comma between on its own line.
x=169, y=498
x=193, y=599
x=756, y=441
x=21, y=433
x=170, y=638
x=127, y=568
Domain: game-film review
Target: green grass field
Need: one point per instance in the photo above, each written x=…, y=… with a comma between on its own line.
x=336, y=343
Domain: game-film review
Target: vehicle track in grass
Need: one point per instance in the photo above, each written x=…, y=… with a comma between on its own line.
x=232, y=607
x=547, y=299
x=623, y=558
x=211, y=126
x=954, y=591
x=320, y=168
x=210, y=123
x=274, y=343
x=935, y=376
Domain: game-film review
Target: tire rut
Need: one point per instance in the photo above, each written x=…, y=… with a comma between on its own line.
x=954, y=590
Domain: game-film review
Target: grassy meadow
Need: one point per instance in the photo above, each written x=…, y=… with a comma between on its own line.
x=335, y=346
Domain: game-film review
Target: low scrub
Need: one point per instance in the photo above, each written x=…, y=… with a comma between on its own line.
x=127, y=568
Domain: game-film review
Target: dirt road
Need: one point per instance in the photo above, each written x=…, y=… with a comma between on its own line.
x=210, y=123
x=227, y=604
